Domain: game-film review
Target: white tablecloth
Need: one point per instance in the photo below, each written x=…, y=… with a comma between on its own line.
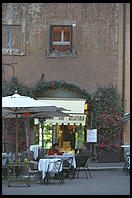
x=35, y=148
x=65, y=156
x=125, y=146
x=43, y=165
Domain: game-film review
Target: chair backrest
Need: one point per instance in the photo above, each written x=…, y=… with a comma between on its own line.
x=68, y=162
x=41, y=153
x=33, y=165
x=81, y=161
x=4, y=162
x=28, y=155
x=54, y=166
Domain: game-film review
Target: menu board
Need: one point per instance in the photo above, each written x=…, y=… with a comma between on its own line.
x=92, y=135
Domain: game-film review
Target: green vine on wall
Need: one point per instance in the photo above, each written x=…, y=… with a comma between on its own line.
x=10, y=88
x=41, y=88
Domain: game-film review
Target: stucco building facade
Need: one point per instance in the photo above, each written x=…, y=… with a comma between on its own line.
x=78, y=43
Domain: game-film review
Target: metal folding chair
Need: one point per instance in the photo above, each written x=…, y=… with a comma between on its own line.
x=67, y=168
x=82, y=163
x=126, y=167
x=34, y=172
x=4, y=166
x=54, y=170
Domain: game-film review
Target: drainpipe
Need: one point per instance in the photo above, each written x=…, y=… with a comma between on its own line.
x=123, y=55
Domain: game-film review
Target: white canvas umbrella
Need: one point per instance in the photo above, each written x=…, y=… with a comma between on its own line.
x=16, y=104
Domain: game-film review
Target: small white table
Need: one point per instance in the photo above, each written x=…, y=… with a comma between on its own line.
x=35, y=148
x=43, y=165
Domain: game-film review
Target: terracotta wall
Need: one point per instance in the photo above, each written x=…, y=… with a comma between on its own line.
x=94, y=59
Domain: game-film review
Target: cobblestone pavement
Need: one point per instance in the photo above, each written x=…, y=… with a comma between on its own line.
x=103, y=182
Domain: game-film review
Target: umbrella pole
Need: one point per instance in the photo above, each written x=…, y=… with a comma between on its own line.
x=3, y=136
x=28, y=134
x=16, y=136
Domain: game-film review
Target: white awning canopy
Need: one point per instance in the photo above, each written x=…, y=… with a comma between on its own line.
x=76, y=107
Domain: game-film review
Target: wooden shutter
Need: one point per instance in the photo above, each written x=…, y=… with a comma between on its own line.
x=71, y=38
x=50, y=38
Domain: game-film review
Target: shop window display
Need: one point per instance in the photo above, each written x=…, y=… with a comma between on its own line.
x=69, y=137
x=47, y=136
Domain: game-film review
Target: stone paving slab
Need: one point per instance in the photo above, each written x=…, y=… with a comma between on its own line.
x=105, y=166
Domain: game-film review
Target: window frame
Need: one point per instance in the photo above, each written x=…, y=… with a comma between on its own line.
x=16, y=51
x=62, y=42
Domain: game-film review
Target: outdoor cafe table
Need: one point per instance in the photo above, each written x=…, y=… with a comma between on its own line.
x=65, y=156
x=35, y=148
x=43, y=165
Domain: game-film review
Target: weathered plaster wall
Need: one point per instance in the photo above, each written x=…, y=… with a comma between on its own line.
x=94, y=41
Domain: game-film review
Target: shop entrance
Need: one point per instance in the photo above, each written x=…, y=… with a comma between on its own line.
x=70, y=137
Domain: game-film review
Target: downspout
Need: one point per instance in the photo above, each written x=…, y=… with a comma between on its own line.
x=123, y=63
x=123, y=55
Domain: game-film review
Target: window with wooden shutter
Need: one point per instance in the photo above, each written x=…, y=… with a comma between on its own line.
x=61, y=37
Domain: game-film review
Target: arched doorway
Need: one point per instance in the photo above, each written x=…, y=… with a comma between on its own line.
x=69, y=132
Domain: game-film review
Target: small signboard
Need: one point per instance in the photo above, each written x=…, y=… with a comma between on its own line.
x=92, y=135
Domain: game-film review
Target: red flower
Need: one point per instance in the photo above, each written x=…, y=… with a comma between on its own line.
x=40, y=94
x=13, y=140
x=110, y=143
x=52, y=85
x=14, y=128
x=23, y=140
x=101, y=144
x=107, y=138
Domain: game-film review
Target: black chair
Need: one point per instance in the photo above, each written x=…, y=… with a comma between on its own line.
x=67, y=168
x=126, y=167
x=28, y=155
x=82, y=163
x=54, y=171
x=34, y=173
x=41, y=153
x=4, y=166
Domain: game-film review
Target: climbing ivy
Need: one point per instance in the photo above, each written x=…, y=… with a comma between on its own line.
x=13, y=85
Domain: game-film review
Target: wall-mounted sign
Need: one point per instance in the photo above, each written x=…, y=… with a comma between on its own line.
x=92, y=135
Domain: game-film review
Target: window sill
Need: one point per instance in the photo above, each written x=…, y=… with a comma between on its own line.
x=9, y=52
x=61, y=54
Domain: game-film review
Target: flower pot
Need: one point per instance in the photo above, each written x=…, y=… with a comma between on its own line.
x=108, y=157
